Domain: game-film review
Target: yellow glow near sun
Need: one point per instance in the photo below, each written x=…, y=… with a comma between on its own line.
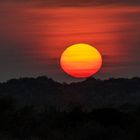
x=81, y=60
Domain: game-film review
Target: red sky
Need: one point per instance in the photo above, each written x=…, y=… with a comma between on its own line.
x=33, y=36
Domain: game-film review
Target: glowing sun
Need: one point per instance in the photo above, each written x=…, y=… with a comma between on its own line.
x=81, y=60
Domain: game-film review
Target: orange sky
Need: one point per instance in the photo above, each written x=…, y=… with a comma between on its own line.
x=33, y=38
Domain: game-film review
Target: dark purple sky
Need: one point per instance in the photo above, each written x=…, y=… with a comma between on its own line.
x=33, y=34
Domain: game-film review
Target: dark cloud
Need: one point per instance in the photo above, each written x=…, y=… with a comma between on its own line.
x=89, y=2
x=76, y=3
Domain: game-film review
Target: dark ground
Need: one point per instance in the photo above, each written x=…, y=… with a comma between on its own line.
x=42, y=109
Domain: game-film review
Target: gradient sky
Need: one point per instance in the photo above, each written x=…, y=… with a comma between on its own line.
x=34, y=33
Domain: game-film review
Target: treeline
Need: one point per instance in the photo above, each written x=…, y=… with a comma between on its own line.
x=42, y=109
x=91, y=93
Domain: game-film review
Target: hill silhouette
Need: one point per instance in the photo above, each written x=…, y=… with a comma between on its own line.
x=43, y=109
x=91, y=93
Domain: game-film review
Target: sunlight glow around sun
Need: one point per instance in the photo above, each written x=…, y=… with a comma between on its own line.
x=81, y=60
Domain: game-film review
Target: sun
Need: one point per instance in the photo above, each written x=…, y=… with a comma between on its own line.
x=81, y=60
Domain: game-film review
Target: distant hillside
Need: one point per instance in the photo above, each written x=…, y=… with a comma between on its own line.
x=91, y=93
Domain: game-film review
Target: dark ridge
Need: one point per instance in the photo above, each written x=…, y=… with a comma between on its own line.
x=42, y=109
x=91, y=93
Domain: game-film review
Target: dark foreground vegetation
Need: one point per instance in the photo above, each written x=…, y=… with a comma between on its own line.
x=41, y=109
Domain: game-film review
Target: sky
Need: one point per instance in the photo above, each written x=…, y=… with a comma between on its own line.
x=34, y=33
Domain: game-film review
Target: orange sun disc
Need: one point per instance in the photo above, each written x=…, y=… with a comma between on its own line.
x=81, y=60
